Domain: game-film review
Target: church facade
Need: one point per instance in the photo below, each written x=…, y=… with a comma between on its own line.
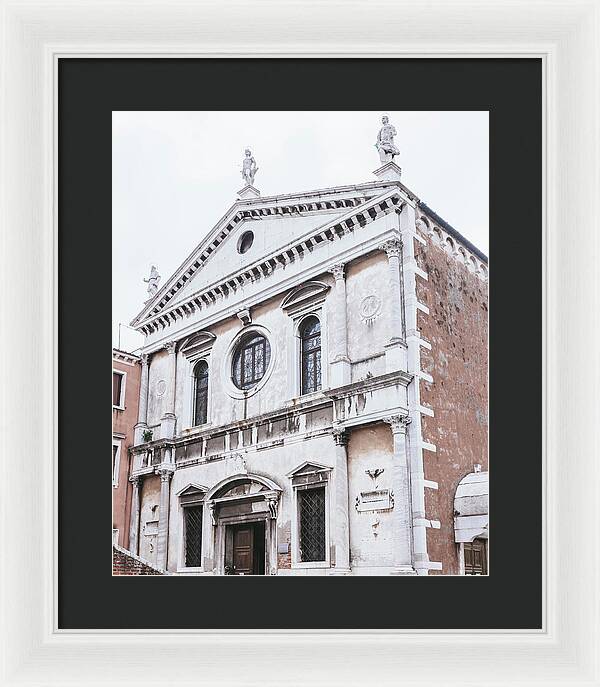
x=313, y=395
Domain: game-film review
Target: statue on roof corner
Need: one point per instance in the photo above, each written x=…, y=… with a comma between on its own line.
x=385, y=141
x=249, y=168
x=153, y=281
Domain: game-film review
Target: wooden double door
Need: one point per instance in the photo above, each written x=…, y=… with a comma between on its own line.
x=245, y=548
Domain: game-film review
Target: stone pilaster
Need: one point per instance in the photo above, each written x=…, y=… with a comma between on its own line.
x=168, y=420
x=134, y=526
x=163, y=523
x=341, y=520
x=402, y=540
x=340, y=363
x=142, y=423
x=395, y=348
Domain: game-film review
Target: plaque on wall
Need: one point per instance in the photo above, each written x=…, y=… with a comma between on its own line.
x=378, y=499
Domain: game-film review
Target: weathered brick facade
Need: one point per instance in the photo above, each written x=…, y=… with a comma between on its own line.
x=124, y=563
x=457, y=329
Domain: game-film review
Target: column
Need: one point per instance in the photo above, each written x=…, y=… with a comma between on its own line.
x=134, y=527
x=167, y=421
x=163, y=523
x=395, y=348
x=340, y=364
x=341, y=524
x=142, y=423
x=402, y=540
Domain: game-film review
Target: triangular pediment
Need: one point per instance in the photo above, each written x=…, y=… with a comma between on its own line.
x=192, y=489
x=307, y=468
x=274, y=221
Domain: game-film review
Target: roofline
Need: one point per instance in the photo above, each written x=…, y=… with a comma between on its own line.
x=451, y=230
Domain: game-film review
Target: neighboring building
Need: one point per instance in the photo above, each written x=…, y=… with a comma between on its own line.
x=126, y=394
x=314, y=376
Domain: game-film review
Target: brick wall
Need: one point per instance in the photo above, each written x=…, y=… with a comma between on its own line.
x=457, y=328
x=125, y=563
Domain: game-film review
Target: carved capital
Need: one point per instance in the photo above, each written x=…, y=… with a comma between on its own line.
x=145, y=359
x=392, y=248
x=170, y=347
x=340, y=436
x=165, y=474
x=136, y=481
x=398, y=423
x=337, y=271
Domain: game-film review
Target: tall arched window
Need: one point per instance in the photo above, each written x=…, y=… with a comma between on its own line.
x=310, y=354
x=201, y=393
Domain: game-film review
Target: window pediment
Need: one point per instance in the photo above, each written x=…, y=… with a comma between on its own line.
x=305, y=296
x=308, y=468
x=197, y=344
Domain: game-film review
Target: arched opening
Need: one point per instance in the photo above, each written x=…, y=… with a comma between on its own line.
x=243, y=510
x=201, y=393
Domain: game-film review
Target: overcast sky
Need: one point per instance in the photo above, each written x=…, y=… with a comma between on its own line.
x=176, y=173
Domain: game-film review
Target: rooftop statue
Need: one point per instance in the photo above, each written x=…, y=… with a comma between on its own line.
x=153, y=281
x=249, y=168
x=385, y=141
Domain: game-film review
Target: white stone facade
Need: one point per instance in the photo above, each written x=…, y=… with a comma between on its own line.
x=344, y=255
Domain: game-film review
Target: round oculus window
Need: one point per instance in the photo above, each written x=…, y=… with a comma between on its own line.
x=250, y=361
x=245, y=242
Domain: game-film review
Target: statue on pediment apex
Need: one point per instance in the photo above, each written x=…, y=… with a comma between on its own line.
x=249, y=167
x=385, y=141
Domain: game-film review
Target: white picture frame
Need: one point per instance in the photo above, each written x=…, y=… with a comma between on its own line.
x=565, y=34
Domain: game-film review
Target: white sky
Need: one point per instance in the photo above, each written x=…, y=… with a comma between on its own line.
x=176, y=173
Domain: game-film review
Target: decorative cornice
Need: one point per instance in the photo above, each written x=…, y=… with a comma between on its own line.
x=125, y=357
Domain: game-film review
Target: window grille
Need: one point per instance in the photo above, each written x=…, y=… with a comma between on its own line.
x=251, y=361
x=193, y=536
x=201, y=393
x=310, y=336
x=312, y=524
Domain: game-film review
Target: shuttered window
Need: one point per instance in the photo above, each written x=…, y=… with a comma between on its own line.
x=475, y=554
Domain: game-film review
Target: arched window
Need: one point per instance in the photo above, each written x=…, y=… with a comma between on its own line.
x=310, y=354
x=250, y=361
x=200, y=393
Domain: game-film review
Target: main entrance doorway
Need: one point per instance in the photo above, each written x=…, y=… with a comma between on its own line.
x=245, y=548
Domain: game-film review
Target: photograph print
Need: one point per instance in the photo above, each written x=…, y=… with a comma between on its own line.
x=300, y=343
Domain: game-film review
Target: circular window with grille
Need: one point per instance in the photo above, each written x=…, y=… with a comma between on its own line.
x=245, y=242
x=250, y=361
